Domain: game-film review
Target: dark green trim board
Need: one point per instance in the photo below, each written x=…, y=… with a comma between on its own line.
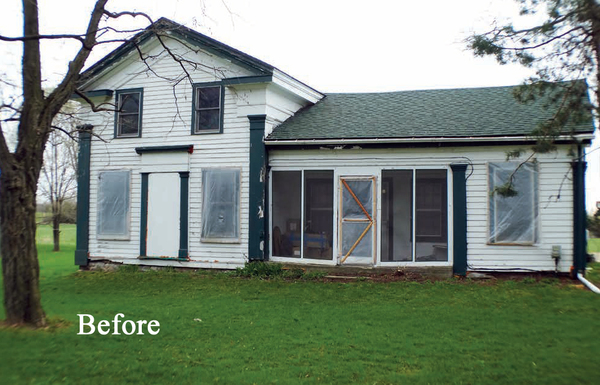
x=83, y=195
x=94, y=94
x=579, y=218
x=459, y=221
x=144, y=215
x=195, y=88
x=186, y=147
x=184, y=177
x=257, y=203
x=247, y=80
x=116, y=123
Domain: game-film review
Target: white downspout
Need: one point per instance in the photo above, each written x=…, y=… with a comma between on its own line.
x=587, y=283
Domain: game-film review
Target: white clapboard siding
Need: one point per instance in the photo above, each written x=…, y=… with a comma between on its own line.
x=163, y=125
x=167, y=115
x=555, y=211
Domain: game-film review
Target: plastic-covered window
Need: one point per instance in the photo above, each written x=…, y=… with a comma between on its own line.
x=513, y=220
x=220, y=205
x=113, y=204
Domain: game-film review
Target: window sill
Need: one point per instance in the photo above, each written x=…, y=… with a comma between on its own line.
x=113, y=238
x=204, y=132
x=221, y=240
x=528, y=244
x=180, y=259
x=128, y=136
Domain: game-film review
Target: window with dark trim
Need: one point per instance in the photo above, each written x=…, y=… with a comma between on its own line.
x=128, y=117
x=208, y=109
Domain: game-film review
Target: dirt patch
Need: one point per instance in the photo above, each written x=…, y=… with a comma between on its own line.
x=485, y=278
x=52, y=324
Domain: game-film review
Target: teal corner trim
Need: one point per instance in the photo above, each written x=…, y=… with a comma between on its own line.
x=459, y=222
x=257, y=237
x=144, y=215
x=128, y=91
x=83, y=196
x=579, y=218
x=184, y=177
x=247, y=80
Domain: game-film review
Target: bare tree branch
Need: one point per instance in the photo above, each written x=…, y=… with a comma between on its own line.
x=93, y=106
x=63, y=91
x=42, y=37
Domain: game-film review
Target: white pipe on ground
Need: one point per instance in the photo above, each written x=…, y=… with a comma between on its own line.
x=587, y=283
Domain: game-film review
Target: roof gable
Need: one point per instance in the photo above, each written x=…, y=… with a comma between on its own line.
x=164, y=26
x=445, y=113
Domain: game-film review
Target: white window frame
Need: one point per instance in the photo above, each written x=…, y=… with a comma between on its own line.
x=99, y=213
x=204, y=215
x=302, y=259
x=358, y=171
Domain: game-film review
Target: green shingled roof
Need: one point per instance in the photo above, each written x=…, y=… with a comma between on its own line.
x=467, y=112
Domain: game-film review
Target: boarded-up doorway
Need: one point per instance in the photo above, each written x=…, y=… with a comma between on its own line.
x=163, y=215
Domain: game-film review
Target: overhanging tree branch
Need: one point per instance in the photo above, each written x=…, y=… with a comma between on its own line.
x=65, y=89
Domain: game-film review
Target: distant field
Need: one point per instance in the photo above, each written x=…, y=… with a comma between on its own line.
x=67, y=235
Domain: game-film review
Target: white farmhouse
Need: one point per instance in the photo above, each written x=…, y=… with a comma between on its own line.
x=213, y=158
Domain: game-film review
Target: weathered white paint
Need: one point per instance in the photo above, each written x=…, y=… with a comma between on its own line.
x=163, y=215
x=555, y=197
x=166, y=120
x=165, y=162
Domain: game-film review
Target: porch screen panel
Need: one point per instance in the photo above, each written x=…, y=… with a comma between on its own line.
x=431, y=212
x=286, y=231
x=318, y=214
x=396, y=215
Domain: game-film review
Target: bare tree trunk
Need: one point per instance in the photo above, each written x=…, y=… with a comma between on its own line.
x=56, y=231
x=22, y=300
x=21, y=168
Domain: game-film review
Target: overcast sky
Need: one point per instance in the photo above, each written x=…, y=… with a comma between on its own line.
x=332, y=45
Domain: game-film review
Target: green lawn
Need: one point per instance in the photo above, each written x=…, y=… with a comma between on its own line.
x=220, y=329
x=594, y=245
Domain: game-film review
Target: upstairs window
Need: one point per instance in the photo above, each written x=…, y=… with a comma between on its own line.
x=128, y=119
x=513, y=219
x=208, y=109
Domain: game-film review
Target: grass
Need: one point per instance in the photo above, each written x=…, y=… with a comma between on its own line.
x=216, y=328
x=593, y=273
x=594, y=245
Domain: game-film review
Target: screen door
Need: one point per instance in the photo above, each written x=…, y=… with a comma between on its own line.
x=357, y=226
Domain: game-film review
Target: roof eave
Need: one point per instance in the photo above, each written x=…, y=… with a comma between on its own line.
x=479, y=139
